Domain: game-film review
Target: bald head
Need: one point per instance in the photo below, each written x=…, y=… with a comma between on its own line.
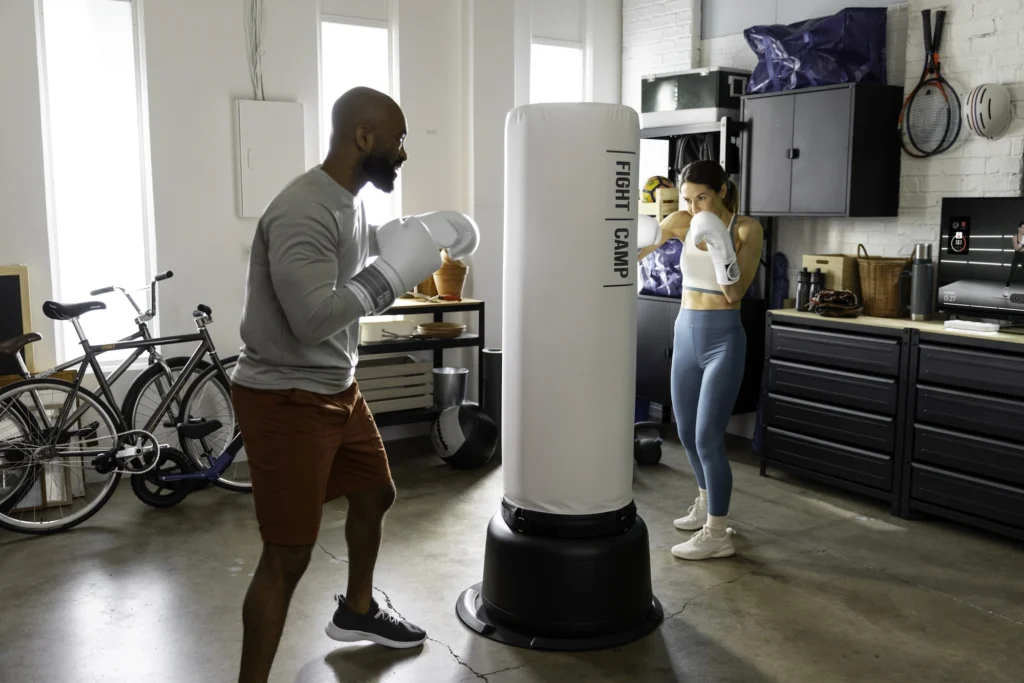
x=367, y=137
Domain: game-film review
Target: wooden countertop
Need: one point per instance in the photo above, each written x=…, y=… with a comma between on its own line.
x=931, y=326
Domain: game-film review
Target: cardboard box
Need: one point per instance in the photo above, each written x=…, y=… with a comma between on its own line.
x=840, y=270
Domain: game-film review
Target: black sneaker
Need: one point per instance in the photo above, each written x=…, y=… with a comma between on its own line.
x=379, y=625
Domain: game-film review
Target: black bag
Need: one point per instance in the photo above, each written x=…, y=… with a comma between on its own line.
x=846, y=47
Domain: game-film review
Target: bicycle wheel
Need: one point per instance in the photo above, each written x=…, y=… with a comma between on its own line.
x=209, y=416
x=148, y=390
x=52, y=455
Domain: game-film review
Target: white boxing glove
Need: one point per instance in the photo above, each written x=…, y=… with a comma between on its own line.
x=647, y=231
x=453, y=231
x=709, y=228
x=407, y=255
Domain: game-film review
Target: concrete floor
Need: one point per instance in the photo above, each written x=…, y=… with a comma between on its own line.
x=826, y=588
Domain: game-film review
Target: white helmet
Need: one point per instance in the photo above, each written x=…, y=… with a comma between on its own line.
x=988, y=111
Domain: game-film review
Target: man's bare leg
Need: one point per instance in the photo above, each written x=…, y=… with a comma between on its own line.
x=364, y=528
x=266, y=607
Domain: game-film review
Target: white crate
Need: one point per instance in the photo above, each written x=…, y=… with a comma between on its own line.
x=398, y=383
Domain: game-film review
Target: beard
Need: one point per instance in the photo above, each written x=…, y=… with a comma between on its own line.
x=381, y=171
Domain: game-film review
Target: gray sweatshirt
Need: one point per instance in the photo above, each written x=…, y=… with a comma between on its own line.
x=300, y=327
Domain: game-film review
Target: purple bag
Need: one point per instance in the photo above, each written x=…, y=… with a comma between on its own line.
x=660, y=273
x=846, y=47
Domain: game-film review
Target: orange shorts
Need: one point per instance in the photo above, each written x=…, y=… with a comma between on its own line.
x=305, y=449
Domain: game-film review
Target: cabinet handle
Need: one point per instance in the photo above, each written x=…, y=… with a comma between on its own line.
x=668, y=354
x=792, y=154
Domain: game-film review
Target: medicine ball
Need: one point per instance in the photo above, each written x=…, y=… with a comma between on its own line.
x=464, y=436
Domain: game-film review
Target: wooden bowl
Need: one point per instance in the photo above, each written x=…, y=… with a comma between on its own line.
x=440, y=330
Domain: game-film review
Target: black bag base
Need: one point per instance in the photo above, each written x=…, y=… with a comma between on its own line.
x=570, y=595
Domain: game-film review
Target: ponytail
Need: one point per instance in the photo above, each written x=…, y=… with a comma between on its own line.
x=732, y=196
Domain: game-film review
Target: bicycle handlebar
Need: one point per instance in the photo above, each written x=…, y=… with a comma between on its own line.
x=104, y=290
x=164, y=276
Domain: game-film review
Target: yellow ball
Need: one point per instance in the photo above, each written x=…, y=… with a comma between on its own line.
x=652, y=185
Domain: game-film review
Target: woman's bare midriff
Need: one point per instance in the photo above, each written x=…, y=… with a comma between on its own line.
x=703, y=301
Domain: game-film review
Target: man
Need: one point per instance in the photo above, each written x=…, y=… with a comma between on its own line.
x=308, y=433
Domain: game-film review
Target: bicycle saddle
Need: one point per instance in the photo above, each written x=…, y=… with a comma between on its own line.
x=15, y=344
x=58, y=311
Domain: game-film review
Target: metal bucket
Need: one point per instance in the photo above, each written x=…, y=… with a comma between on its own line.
x=450, y=386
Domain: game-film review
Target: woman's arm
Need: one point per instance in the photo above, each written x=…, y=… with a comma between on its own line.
x=749, y=240
x=674, y=226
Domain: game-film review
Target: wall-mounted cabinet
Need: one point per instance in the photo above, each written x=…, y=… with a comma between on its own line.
x=828, y=151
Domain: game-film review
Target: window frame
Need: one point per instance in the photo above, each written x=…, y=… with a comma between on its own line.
x=63, y=332
x=390, y=24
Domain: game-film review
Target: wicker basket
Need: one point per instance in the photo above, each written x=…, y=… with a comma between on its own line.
x=880, y=283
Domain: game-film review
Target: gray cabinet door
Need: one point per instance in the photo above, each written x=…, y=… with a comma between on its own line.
x=770, y=132
x=821, y=151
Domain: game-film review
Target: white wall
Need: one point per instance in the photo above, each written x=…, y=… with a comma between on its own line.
x=23, y=235
x=191, y=95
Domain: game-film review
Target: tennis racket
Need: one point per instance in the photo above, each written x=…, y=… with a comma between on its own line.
x=930, y=120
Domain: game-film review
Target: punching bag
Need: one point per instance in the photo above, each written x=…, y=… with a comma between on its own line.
x=567, y=561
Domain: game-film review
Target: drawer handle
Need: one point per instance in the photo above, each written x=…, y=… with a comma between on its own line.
x=792, y=153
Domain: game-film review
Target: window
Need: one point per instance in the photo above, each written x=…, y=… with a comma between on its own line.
x=356, y=54
x=556, y=73
x=92, y=118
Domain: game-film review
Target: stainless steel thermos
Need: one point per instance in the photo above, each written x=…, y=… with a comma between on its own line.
x=921, y=302
x=803, y=285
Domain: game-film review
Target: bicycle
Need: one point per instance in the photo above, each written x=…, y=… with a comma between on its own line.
x=159, y=373
x=41, y=441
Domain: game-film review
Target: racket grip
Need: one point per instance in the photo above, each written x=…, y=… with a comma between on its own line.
x=940, y=21
x=926, y=23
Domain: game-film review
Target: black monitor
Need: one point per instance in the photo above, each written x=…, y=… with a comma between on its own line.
x=981, y=258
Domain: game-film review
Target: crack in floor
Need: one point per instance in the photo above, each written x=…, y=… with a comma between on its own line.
x=742, y=576
x=391, y=607
x=332, y=555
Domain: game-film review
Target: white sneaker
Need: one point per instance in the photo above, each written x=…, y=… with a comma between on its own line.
x=703, y=545
x=696, y=517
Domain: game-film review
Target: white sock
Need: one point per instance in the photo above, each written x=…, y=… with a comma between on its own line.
x=717, y=525
x=703, y=495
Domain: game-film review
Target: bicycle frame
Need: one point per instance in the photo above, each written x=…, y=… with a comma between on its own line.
x=90, y=360
x=142, y=333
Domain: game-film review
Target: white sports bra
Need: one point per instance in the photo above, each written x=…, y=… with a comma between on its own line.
x=696, y=266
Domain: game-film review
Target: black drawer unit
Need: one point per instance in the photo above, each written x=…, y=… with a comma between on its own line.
x=875, y=432
x=857, y=352
x=987, y=371
x=970, y=412
x=957, y=452
x=966, y=445
x=869, y=472
x=838, y=387
x=961, y=497
x=833, y=402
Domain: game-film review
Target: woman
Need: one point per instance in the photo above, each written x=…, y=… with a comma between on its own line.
x=721, y=254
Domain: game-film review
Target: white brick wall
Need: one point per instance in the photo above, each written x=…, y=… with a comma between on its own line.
x=657, y=37
x=983, y=42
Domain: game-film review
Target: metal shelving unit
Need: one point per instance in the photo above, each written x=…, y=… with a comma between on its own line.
x=438, y=310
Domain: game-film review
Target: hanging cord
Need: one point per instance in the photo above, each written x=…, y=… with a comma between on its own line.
x=255, y=30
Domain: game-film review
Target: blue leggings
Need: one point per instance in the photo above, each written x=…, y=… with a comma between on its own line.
x=707, y=369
